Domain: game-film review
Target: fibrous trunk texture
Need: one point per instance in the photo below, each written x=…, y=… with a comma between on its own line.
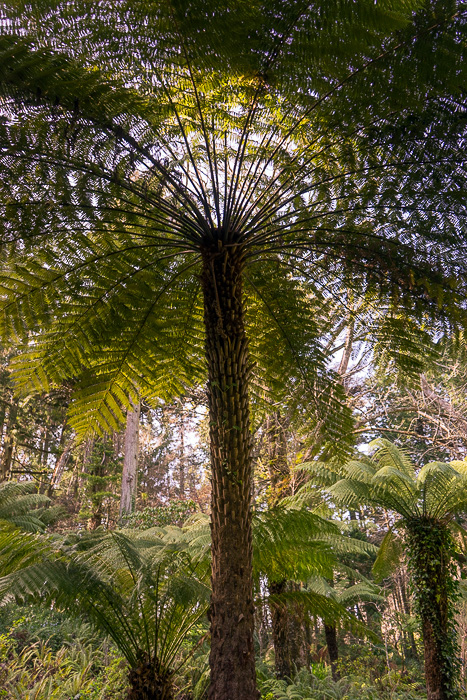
x=147, y=683
x=231, y=614
x=130, y=461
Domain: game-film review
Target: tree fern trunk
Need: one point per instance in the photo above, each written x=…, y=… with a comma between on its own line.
x=9, y=445
x=146, y=683
x=430, y=548
x=231, y=614
x=433, y=665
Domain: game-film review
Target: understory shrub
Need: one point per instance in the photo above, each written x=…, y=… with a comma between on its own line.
x=307, y=686
x=70, y=664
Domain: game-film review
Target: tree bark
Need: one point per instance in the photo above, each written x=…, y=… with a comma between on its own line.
x=60, y=465
x=130, y=462
x=9, y=445
x=433, y=668
x=232, y=657
x=330, y=632
x=280, y=623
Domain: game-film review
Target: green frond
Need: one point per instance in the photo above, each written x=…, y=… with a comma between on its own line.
x=388, y=455
x=292, y=544
x=402, y=346
x=389, y=555
x=23, y=507
x=47, y=76
x=148, y=341
x=282, y=315
x=144, y=593
x=347, y=597
x=350, y=493
x=393, y=486
x=460, y=467
x=321, y=473
x=318, y=604
x=360, y=592
x=362, y=470
x=20, y=549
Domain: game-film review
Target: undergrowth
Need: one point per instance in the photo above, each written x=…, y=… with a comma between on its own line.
x=307, y=685
x=44, y=657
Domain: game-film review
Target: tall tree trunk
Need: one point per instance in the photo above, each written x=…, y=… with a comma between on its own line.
x=280, y=622
x=433, y=665
x=130, y=462
x=430, y=547
x=4, y=402
x=43, y=461
x=64, y=452
x=232, y=656
x=9, y=446
x=181, y=456
x=330, y=632
x=299, y=652
x=348, y=345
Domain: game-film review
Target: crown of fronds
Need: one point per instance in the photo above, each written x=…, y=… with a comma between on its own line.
x=391, y=480
x=23, y=507
x=132, y=138
x=142, y=591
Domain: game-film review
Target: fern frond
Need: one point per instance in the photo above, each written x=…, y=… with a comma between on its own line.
x=23, y=507
x=142, y=592
x=389, y=555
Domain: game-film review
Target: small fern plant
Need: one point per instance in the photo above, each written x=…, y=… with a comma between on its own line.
x=139, y=588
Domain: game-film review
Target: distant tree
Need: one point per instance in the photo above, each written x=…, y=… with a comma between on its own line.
x=130, y=461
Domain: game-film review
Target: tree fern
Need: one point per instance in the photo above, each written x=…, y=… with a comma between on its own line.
x=22, y=507
x=161, y=162
x=424, y=502
x=142, y=592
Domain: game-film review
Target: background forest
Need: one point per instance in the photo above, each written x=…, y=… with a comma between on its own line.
x=45, y=653
x=233, y=370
